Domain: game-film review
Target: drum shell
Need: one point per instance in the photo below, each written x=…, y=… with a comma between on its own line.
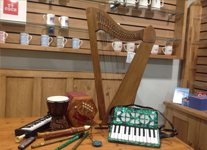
x=57, y=108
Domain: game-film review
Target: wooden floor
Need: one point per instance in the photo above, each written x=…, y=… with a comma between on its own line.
x=7, y=142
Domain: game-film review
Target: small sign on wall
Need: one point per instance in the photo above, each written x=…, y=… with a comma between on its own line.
x=13, y=11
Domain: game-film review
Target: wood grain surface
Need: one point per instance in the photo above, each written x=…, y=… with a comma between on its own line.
x=7, y=142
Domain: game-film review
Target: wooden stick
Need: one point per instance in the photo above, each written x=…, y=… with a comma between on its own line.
x=42, y=135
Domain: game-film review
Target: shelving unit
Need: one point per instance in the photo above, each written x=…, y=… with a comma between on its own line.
x=169, y=31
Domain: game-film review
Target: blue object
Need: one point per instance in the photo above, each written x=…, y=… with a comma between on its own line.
x=76, y=43
x=51, y=30
x=24, y=39
x=45, y=40
x=97, y=143
x=198, y=102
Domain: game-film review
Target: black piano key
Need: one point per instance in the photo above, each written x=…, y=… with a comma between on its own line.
x=135, y=130
x=115, y=129
x=153, y=133
x=129, y=130
x=149, y=133
x=143, y=132
x=124, y=129
x=139, y=132
x=119, y=128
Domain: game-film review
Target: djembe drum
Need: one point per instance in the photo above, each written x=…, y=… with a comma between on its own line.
x=57, y=107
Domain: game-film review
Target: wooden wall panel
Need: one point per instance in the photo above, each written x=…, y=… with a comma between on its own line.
x=24, y=92
x=19, y=94
x=131, y=19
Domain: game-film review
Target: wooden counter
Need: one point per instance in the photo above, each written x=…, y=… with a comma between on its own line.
x=7, y=142
x=190, y=123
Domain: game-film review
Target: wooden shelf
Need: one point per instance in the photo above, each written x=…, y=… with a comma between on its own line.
x=71, y=50
x=188, y=110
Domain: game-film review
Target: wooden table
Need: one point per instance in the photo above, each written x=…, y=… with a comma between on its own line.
x=7, y=142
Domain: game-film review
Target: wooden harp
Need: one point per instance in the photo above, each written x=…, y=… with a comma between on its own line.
x=99, y=20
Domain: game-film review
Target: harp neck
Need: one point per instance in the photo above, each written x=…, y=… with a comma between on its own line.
x=102, y=21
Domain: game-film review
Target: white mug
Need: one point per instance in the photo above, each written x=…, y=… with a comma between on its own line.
x=77, y=43
x=155, y=49
x=156, y=4
x=61, y=41
x=144, y=3
x=167, y=50
x=117, y=46
x=63, y=21
x=3, y=36
x=25, y=38
x=129, y=47
x=130, y=2
x=50, y=19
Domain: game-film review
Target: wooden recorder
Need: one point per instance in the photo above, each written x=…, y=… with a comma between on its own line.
x=81, y=109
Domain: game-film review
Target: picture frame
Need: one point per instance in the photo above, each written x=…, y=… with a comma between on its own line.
x=179, y=94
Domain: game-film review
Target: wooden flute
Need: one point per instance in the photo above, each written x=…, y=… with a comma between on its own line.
x=66, y=133
x=42, y=135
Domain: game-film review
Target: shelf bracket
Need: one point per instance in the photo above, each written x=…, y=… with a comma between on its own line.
x=113, y=7
x=170, y=15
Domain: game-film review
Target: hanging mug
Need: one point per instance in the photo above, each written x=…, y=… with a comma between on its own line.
x=25, y=38
x=50, y=20
x=63, y=21
x=167, y=50
x=144, y=3
x=46, y=40
x=77, y=43
x=117, y=46
x=61, y=41
x=156, y=4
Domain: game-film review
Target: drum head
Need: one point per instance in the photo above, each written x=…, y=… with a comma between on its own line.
x=57, y=99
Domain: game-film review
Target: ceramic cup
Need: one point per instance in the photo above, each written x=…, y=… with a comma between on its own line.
x=77, y=43
x=155, y=49
x=156, y=4
x=61, y=41
x=144, y=3
x=46, y=40
x=167, y=50
x=25, y=38
x=3, y=36
x=131, y=3
x=50, y=19
x=117, y=46
x=129, y=47
x=63, y=21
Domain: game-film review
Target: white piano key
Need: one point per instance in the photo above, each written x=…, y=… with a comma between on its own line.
x=147, y=136
x=127, y=134
x=152, y=137
x=120, y=133
x=141, y=135
x=123, y=135
x=35, y=126
x=116, y=133
x=137, y=135
x=156, y=138
x=144, y=136
x=112, y=132
x=131, y=134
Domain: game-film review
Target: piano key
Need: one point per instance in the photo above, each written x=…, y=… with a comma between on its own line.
x=156, y=137
x=114, y=129
x=147, y=136
x=32, y=127
x=131, y=133
x=120, y=133
x=144, y=136
x=123, y=132
x=116, y=132
x=112, y=132
x=152, y=136
x=137, y=134
x=127, y=134
x=133, y=137
x=141, y=135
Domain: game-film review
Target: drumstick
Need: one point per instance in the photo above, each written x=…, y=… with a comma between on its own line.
x=40, y=135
